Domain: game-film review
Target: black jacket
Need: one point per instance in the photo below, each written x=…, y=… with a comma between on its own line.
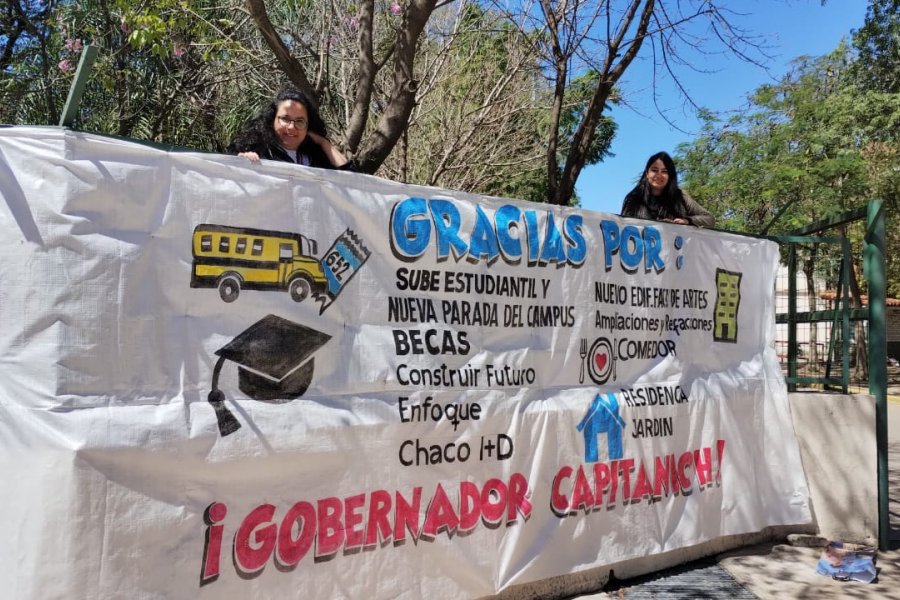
x=311, y=151
x=684, y=208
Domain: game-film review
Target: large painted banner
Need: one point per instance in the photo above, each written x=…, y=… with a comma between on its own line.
x=227, y=380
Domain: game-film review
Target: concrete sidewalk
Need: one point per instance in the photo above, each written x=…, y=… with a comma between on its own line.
x=786, y=571
x=780, y=570
x=765, y=571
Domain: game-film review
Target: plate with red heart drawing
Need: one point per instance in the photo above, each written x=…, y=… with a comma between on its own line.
x=600, y=361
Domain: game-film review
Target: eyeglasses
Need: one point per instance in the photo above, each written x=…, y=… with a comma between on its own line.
x=298, y=123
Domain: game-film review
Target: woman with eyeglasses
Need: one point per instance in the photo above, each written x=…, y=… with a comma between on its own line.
x=289, y=129
x=658, y=197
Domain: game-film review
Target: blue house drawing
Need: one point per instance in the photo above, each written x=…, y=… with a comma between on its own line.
x=602, y=417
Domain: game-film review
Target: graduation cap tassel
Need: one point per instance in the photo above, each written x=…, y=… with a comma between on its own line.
x=227, y=423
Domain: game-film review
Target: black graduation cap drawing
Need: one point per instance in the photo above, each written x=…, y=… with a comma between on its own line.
x=275, y=364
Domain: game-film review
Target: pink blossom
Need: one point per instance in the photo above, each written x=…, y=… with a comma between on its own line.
x=124, y=26
x=396, y=9
x=61, y=23
x=73, y=45
x=178, y=51
x=65, y=65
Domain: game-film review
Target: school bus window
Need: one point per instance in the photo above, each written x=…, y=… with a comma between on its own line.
x=285, y=251
x=205, y=243
x=257, y=247
x=241, y=246
x=224, y=243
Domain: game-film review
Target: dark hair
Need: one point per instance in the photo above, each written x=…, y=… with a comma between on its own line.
x=669, y=164
x=260, y=127
x=671, y=200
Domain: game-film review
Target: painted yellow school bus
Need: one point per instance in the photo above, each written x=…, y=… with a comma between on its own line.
x=236, y=258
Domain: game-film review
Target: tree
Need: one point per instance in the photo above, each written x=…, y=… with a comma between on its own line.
x=598, y=39
x=478, y=114
x=793, y=154
x=820, y=142
x=190, y=72
x=26, y=73
x=603, y=38
x=478, y=120
x=159, y=73
x=876, y=73
x=877, y=44
x=481, y=119
x=398, y=49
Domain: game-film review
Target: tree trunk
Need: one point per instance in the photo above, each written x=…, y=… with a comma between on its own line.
x=610, y=73
x=395, y=118
x=861, y=353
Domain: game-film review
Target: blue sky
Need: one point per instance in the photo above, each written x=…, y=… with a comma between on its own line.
x=789, y=28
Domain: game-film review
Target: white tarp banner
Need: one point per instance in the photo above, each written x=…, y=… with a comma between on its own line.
x=267, y=381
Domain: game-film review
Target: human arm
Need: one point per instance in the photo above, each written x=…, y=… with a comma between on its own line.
x=334, y=156
x=696, y=214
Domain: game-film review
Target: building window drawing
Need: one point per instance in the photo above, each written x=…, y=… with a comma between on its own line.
x=728, y=300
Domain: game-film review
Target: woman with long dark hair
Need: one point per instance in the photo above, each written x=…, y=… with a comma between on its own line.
x=658, y=197
x=289, y=129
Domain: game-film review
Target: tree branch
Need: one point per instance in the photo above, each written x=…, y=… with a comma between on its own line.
x=291, y=67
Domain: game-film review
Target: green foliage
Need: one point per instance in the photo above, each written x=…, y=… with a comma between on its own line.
x=877, y=44
x=821, y=141
x=160, y=73
x=578, y=95
x=798, y=150
x=876, y=76
x=28, y=55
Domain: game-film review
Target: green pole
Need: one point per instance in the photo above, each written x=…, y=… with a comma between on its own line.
x=845, y=315
x=874, y=269
x=792, y=318
x=76, y=90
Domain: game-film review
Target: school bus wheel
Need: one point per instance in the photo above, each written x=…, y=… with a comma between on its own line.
x=229, y=287
x=299, y=289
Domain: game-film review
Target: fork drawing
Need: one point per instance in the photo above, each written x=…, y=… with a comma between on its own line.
x=615, y=358
x=583, y=351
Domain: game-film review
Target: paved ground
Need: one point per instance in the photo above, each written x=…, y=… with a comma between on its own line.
x=775, y=571
x=785, y=571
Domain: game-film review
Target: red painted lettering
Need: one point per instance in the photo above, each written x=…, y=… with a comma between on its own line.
x=559, y=502
x=255, y=540
x=684, y=473
x=214, y=514
x=440, y=515
x=291, y=550
x=493, y=501
x=330, y=528
x=353, y=520
x=518, y=498
x=379, y=526
x=406, y=517
x=582, y=498
x=469, y=506
x=703, y=466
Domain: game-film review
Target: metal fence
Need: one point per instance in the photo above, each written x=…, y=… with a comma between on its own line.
x=826, y=340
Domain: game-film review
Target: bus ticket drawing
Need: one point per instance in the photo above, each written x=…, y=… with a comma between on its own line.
x=341, y=262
